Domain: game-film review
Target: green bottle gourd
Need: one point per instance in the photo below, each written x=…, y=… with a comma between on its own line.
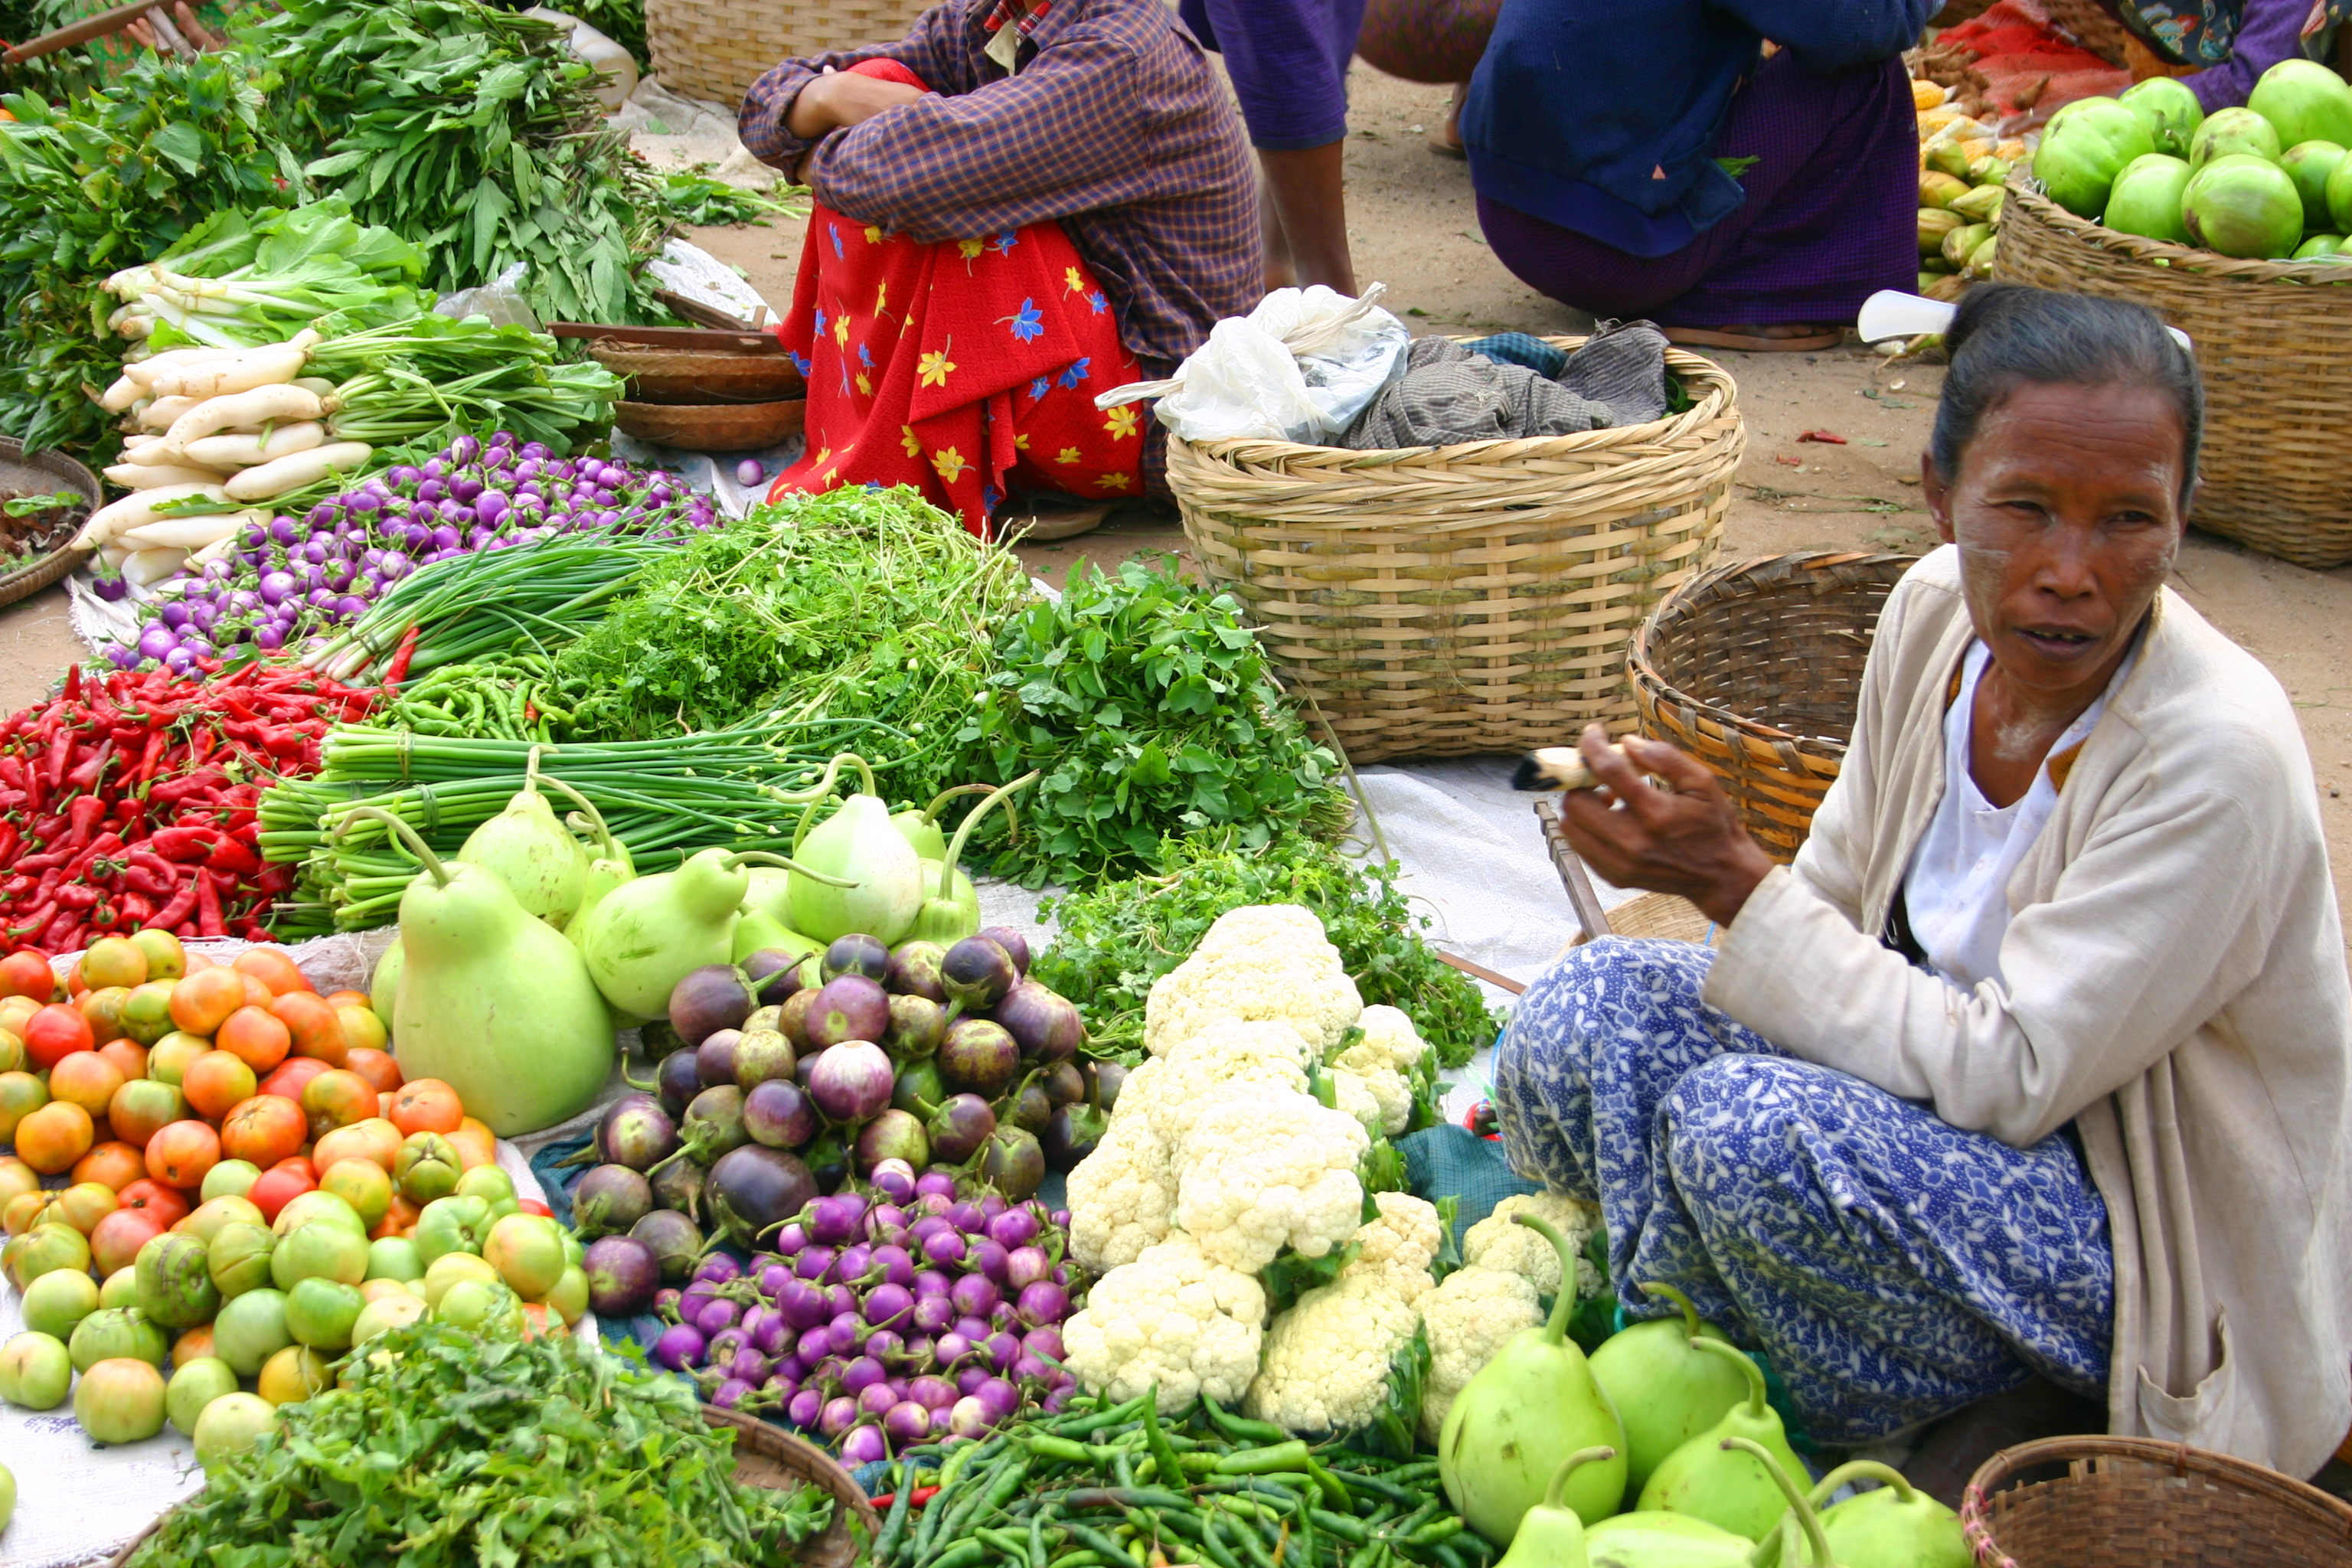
x=531, y=852
x=1724, y=1487
x=1550, y=1535
x=608, y=866
x=946, y=917
x=1664, y=1541
x=1528, y=1409
x=643, y=937
x=383, y=986
x=921, y=828
x=1895, y=1526
x=1795, y=1507
x=1665, y=1392
x=873, y=878
x=757, y=931
x=490, y=1000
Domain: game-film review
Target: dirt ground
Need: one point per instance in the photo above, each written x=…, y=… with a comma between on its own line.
x=1414, y=227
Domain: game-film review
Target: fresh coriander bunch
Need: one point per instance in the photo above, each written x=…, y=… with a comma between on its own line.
x=445, y=1448
x=1151, y=711
x=1115, y=940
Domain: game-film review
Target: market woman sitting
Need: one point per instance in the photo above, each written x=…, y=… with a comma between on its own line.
x=2026, y=1085
x=1667, y=162
x=1021, y=204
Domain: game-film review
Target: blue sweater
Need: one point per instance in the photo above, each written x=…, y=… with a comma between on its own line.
x=1601, y=115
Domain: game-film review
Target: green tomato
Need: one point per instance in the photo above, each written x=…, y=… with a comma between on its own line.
x=58, y=1301
x=230, y=1179
x=194, y=1386
x=7, y=1496
x=478, y=1306
x=321, y=1251
x=114, y=1333
x=394, y=1257
x=251, y=1329
x=487, y=1183
x=230, y=1425
x=320, y=1313
x=36, y=1370
x=456, y=1224
x=122, y=1288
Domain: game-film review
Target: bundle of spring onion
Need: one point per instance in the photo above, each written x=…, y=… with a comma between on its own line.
x=663, y=799
x=276, y=580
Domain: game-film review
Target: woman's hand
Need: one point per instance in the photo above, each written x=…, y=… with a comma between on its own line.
x=839, y=99
x=1689, y=842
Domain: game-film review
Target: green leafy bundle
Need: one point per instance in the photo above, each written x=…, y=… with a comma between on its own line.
x=1151, y=711
x=243, y=279
x=861, y=604
x=475, y=132
x=445, y=1448
x=103, y=182
x=427, y=379
x=700, y=200
x=1116, y=939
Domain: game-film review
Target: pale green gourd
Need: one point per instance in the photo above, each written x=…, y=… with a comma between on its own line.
x=1527, y=1410
x=610, y=866
x=384, y=984
x=642, y=938
x=921, y=828
x=1550, y=1535
x=874, y=878
x=757, y=931
x=533, y=853
x=1794, y=1505
x=1896, y=1526
x=490, y=1000
x=1664, y=1541
x=953, y=912
x=1720, y=1485
x=1665, y=1392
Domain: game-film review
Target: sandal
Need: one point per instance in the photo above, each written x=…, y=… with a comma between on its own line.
x=1042, y=518
x=1792, y=339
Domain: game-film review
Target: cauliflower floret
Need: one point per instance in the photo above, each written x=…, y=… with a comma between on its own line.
x=1389, y=1040
x=1379, y=1099
x=1121, y=1196
x=1353, y=1095
x=1402, y=1242
x=1227, y=1054
x=1469, y=1317
x=1499, y=1242
x=1173, y=1318
x=1265, y=1168
x=1263, y=962
x=1327, y=1358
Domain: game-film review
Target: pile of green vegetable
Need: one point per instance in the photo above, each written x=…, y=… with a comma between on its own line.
x=1115, y=940
x=444, y=1446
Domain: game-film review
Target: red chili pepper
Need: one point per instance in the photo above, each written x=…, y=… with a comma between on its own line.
x=208, y=908
x=92, y=769
x=73, y=683
x=183, y=843
x=174, y=913
x=230, y=855
x=31, y=922
x=397, y=670
x=76, y=896
x=136, y=911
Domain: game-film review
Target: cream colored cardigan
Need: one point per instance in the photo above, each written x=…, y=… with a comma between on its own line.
x=2175, y=986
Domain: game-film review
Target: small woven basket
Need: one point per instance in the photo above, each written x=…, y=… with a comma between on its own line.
x=1437, y=601
x=2274, y=341
x=715, y=49
x=41, y=473
x=2134, y=1502
x=1755, y=668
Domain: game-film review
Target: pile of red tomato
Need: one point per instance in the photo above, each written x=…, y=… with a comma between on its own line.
x=150, y=1078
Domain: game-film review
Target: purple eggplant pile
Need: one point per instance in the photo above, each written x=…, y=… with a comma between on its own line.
x=883, y=1318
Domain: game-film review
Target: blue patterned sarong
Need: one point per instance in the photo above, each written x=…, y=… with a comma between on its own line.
x=1893, y=1266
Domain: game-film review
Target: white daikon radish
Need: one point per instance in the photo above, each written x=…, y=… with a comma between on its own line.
x=137, y=509
x=153, y=475
x=146, y=448
x=145, y=370
x=145, y=568
x=242, y=450
x=218, y=549
x=301, y=469
x=191, y=532
x=218, y=378
x=164, y=412
x=239, y=411
x=115, y=555
x=122, y=395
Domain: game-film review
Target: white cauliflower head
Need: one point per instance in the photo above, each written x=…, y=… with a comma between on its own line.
x=1379, y=1097
x=1228, y=1053
x=1327, y=1358
x=1122, y=1196
x=1262, y=962
x=1389, y=1040
x=1352, y=1095
x=1470, y=1316
x=1173, y=1318
x=1501, y=1243
x=1263, y=1169
x=1402, y=1242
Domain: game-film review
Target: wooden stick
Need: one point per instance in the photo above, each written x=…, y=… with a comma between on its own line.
x=1589, y=915
x=80, y=32
x=1481, y=972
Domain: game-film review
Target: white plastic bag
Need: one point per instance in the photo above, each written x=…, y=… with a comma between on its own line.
x=1300, y=367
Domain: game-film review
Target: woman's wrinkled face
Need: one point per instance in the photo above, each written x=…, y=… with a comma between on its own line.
x=2067, y=510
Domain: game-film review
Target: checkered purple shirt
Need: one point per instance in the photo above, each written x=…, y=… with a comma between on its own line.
x=1116, y=125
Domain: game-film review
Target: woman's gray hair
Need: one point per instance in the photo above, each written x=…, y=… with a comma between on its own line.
x=2005, y=335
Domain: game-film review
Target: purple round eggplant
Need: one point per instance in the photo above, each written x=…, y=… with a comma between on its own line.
x=609, y=1200
x=915, y=970
x=849, y=1007
x=679, y=1185
x=775, y=974
x=1046, y=1026
x=673, y=1241
x=623, y=1275
x=979, y=1058
x=892, y=1135
x=754, y=1189
x=762, y=1056
x=792, y=1019
x=638, y=1132
x=677, y=1081
x=834, y=1221
x=714, y=1056
x=679, y=1348
x=1024, y=1266
x=857, y=954
x=917, y=1088
x=1103, y=1080
x=977, y=973
x=1012, y=1227
x=1013, y=1162
x=917, y=1024
x=1041, y=1303
x=852, y=1080
x=959, y=1126
x=1063, y=1083
x=1071, y=1134
x=894, y=1179
x=706, y=1000
x=778, y=1114
x=1031, y=1107
x=1015, y=945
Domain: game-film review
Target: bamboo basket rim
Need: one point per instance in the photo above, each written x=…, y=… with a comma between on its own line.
x=1641, y=665
x=2180, y=259
x=1980, y=1501
x=1266, y=456
x=43, y=571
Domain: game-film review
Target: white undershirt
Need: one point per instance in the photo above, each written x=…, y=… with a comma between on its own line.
x=1956, y=892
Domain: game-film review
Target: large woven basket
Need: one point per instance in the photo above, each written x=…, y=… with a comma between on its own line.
x=714, y=49
x=1434, y=601
x=2274, y=341
x=1754, y=669
x=2133, y=1503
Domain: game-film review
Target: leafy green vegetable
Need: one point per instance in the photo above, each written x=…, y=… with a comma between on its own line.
x=806, y=607
x=1152, y=711
x=1116, y=939
x=427, y=379
x=29, y=506
x=442, y=1447
x=700, y=200
x=241, y=279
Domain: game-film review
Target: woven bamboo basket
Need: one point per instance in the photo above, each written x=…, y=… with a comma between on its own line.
x=41, y=473
x=1755, y=668
x=2274, y=341
x=715, y=49
x=2133, y=1503
x=765, y=1455
x=1435, y=601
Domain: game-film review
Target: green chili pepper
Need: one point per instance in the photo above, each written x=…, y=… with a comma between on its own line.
x=1290, y=1455
x=1241, y=1429
x=1171, y=1469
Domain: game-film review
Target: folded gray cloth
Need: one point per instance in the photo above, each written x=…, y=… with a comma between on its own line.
x=1448, y=395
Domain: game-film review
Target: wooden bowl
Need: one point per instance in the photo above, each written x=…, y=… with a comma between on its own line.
x=699, y=376
x=712, y=426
